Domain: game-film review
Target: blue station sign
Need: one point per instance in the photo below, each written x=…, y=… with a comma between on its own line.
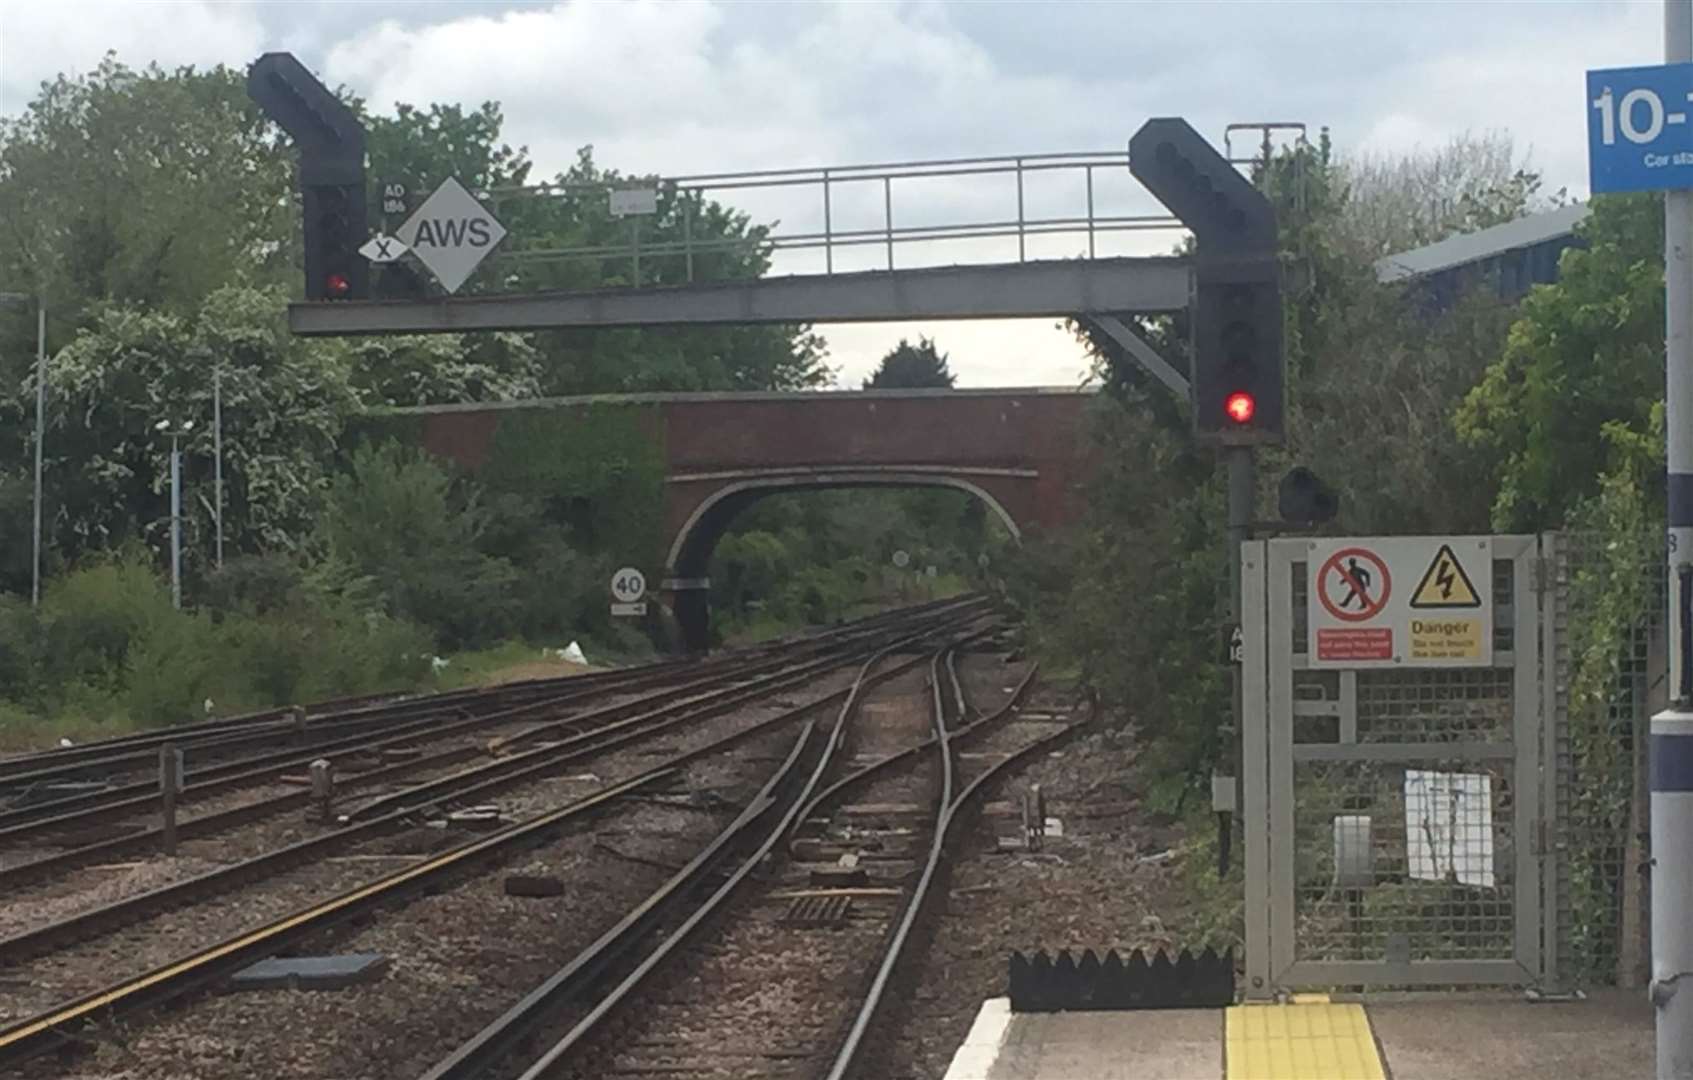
x=1638, y=134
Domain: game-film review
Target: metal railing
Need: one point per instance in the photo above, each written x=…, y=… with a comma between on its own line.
x=684, y=197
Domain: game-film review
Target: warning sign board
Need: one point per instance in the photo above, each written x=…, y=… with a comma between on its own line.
x=1446, y=584
x=1400, y=601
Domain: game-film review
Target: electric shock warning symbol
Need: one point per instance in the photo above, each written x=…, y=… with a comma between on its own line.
x=1354, y=585
x=1445, y=584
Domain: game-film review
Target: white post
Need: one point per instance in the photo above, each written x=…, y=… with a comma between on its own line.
x=1672, y=729
x=217, y=453
x=175, y=523
x=40, y=437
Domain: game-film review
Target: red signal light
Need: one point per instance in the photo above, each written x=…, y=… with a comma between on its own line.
x=1240, y=406
x=337, y=285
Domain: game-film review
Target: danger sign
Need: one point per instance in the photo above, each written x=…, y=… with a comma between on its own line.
x=1357, y=617
x=1354, y=584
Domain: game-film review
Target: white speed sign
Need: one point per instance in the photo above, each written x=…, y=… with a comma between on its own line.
x=628, y=585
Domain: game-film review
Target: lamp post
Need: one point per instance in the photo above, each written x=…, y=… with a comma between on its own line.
x=40, y=427
x=217, y=455
x=176, y=432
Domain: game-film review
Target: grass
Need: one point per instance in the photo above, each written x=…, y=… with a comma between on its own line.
x=85, y=721
x=511, y=660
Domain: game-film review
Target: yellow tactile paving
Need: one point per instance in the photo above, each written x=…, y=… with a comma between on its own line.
x=1310, y=1039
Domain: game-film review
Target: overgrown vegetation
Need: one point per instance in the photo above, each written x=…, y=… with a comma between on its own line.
x=1426, y=418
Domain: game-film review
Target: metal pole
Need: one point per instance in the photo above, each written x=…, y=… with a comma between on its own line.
x=175, y=524
x=888, y=215
x=1090, y=212
x=688, y=234
x=1020, y=251
x=217, y=453
x=1225, y=782
x=40, y=437
x=170, y=784
x=1672, y=729
x=828, y=229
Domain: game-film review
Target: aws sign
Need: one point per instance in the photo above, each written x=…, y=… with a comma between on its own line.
x=451, y=233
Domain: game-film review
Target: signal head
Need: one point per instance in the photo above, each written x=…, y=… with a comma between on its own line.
x=1240, y=407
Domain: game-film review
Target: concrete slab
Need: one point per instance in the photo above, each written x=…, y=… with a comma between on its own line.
x=1165, y=1044
x=310, y=972
x=1460, y=1037
x=1607, y=1037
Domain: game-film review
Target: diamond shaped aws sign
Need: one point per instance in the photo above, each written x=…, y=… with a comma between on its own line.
x=451, y=233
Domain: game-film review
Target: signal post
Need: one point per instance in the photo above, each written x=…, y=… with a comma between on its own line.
x=1238, y=366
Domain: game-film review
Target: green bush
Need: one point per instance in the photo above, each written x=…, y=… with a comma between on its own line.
x=397, y=518
x=256, y=584
x=107, y=652
x=174, y=665
x=92, y=617
x=20, y=648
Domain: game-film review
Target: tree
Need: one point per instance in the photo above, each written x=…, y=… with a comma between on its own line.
x=422, y=147
x=149, y=187
x=444, y=369
x=1398, y=203
x=397, y=517
x=1584, y=363
x=284, y=402
x=909, y=366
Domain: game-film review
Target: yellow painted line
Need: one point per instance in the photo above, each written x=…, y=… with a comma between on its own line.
x=101, y=1000
x=1311, y=1039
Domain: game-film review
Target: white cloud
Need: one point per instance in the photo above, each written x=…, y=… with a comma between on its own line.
x=39, y=41
x=695, y=86
x=1006, y=352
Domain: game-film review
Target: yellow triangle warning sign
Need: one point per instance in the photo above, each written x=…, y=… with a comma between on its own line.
x=1445, y=584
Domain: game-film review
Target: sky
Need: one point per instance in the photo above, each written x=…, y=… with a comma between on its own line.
x=684, y=88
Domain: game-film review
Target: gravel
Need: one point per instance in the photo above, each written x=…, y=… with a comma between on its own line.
x=458, y=958
x=764, y=998
x=1086, y=889
x=437, y=942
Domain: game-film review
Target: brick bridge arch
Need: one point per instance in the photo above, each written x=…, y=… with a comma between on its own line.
x=1020, y=451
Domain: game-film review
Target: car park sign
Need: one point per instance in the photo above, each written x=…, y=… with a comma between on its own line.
x=1639, y=137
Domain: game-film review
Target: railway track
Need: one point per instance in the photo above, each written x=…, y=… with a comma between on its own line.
x=57, y=1025
x=627, y=1032
x=215, y=738
x=66, y=827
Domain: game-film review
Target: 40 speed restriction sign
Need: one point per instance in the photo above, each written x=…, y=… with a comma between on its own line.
x=628, y=590
x=1400, y=601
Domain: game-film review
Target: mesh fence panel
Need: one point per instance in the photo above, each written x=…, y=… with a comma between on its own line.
x=1404, y=861
x=1602, y=677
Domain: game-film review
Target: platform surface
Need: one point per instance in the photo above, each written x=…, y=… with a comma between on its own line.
x=1167, y=1044
x=1461, y=1037
x=1607, y=1037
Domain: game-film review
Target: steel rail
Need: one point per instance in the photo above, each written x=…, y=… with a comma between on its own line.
x=497, y=1039
x=326, y=727
x=472, y=1060
x=125, y=799
x=50, y=1028
x=78, y=811
x=960, y=700
x=857, y=777
x=400, y=809
x=324, y=709
x=867, y=1011
x=337, y=710
x=336, y=713
x=847, y=1057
